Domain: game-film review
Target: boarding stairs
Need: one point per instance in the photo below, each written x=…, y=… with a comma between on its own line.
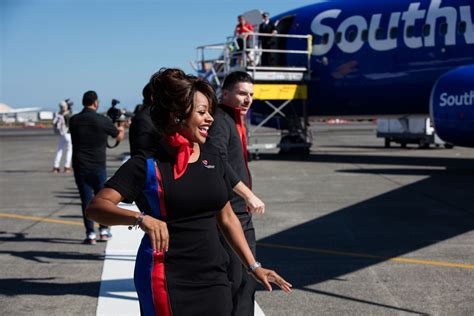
x=280, y=86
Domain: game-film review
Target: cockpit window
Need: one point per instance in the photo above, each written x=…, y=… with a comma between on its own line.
x=316, y=39
x=426, y=30
x=351, y=36
x=443, y=28
x=410, y=31
x=365, y=35
x=379, y=33
x=393, y=32
x=462, y=27
x=325, y=39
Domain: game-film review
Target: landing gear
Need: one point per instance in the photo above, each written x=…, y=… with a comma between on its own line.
x=253, y=155
x=294, y=144
x=423, y=144
x=296, y=141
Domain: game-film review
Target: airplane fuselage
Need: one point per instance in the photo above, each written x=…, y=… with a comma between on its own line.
x=384, y=57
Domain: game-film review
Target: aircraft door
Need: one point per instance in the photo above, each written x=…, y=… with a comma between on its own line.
x=283, y=27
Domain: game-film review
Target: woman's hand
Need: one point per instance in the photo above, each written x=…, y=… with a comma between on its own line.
x=266, y=276
x=157, y=231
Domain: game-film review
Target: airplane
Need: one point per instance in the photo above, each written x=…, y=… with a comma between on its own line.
x=395, y=58
x=11, y=115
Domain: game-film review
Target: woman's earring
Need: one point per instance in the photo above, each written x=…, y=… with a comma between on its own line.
x=177, y=120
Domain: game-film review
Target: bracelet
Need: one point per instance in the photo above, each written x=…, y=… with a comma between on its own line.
x=254, y=266
x=138, y=221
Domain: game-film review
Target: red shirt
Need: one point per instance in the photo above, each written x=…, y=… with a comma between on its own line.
x=239, y=30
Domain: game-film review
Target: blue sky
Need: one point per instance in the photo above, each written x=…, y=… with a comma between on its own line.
x=56, y=49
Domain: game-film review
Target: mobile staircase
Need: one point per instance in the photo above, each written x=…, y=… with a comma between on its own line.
x=281, y=88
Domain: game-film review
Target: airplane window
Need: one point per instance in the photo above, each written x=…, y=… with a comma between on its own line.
x=410, y=31
x=365, y=35
x=426, y=29
x=379, y=33
x=325, y=39
x=462, y=27
x=351, y=36
x=443, y=28
x=338, y=37
x=393, y=32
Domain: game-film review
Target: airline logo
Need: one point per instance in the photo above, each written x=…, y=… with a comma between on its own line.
x=466, y=98
x=207, y=165
x=403, y=21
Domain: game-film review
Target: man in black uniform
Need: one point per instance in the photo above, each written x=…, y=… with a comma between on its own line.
x=227, y=133
x=89, y=132
x=267, y=27
x=143, y=136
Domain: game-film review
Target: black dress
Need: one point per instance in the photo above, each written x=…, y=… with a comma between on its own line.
x=191, y=278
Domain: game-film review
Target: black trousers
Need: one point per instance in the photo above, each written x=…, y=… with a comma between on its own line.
x=243, y=285
x=268, y=59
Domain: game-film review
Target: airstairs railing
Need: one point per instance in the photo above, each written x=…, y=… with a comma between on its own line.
x=216, y=60
x=281, y=81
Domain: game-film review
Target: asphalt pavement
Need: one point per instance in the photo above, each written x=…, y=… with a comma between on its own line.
x=357, y=228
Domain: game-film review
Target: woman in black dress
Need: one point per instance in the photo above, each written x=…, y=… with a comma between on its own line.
x=183, y=194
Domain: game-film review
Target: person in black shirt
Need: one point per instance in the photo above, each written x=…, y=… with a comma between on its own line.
x=143, y=136
x=89, y=132
x=183, y=193
x=229, y=136
x=267, y=42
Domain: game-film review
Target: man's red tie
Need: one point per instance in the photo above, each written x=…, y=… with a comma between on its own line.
x=239, y=123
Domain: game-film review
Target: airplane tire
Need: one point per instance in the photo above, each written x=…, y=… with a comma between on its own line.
x=287, y=141
x=423, y=145
x=387, y=143
x=253, y=156
x=448, y=146
x=403, y=145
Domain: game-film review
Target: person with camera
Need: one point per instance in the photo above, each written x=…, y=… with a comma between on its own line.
x=61, y=128
x=89, y=131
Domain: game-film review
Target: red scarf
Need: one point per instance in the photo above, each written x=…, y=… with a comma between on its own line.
x=239, y=123
x=184, y=148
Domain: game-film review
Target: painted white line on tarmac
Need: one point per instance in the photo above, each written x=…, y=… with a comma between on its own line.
x=117, y=292
x=257, y=310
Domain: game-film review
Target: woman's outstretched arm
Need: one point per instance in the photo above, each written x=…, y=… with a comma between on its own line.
x=232, y=230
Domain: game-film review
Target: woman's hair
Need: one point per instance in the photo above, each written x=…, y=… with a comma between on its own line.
x=172, y=94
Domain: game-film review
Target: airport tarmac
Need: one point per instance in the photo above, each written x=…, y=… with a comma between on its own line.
x=357, y=229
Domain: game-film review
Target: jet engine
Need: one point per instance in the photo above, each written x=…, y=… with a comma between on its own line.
x=452, y=106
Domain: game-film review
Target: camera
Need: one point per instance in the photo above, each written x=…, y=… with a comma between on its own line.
x=115, y=114
x=69, y=104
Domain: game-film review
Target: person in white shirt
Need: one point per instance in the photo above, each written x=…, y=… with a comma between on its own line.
x=61, y=127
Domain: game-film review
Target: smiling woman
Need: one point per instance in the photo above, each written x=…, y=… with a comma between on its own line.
x=183, y=193
x=184, y=103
